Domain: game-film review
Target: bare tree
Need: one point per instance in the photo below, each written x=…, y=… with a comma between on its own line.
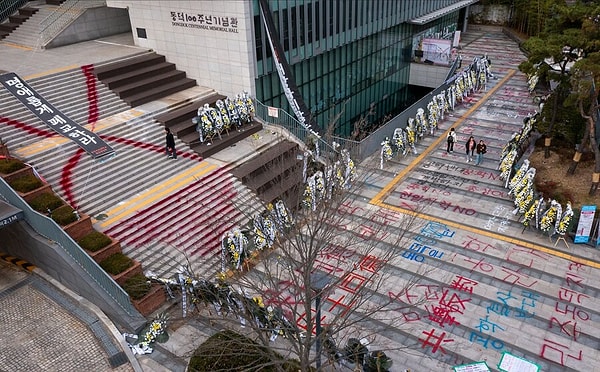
x=325, y=281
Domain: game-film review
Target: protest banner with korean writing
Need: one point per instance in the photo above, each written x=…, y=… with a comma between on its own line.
x=53, y=118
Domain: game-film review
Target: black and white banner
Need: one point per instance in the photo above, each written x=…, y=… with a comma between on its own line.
x=87, y=140
x=283, y=69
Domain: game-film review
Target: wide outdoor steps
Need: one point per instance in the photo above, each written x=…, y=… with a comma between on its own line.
x=69, y=92
x=143, y=78
x=188, y=225
x=276, y=173
x=15, y=20
x=180, y=123
x=28, y=33
x=191, y=216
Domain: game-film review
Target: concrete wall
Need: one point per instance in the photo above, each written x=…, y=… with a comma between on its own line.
x=209, y=39
x=489, y=14
x=22, y=241
x=424, y=75
x=94, y=23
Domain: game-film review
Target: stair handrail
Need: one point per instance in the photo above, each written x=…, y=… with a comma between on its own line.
x=8, y=7
x=66, y=13
x=294, y=127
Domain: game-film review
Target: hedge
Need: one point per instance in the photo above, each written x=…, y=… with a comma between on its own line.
x=230, y=351
x=116, y=263
x=94, y=241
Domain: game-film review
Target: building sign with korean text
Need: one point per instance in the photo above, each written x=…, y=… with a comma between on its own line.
x=208, y=22
x=53, y=118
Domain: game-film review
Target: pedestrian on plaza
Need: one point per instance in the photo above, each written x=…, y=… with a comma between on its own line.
x=470, y=146
x=170, y=144
x=481, y=149
x=451, y=140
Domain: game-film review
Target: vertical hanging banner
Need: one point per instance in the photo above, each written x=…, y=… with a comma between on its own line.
x=584, y=227
x=283, y=69
x=59, y=122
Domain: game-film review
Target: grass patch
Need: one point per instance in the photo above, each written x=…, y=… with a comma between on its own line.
x=137, y=286
x=26, y=183
x=94, y=241
x=116, y=263
x=64, y=215
x=46, y=201
x=9, y=166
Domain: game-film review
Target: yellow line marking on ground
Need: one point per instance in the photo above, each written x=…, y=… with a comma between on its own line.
x=48, y=143
x=387, y=188
x=492, y=235
x=157, y=192
x=17, y=46
x=53, y=71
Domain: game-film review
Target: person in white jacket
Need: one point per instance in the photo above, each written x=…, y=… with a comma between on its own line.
x=451, y=140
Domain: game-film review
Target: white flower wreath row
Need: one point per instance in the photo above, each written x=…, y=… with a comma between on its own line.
x=265, y=226
x=550, y=221
x=465, y=84
x=320, y=186
x=235, y=111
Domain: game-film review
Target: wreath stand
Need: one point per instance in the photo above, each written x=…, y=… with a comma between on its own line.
x=562, y=237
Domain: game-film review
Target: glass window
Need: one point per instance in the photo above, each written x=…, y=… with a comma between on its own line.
x=319, y=15
x=294, y=27
x=285, y=29
x=258, y=41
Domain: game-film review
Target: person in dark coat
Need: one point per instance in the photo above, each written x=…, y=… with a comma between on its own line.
x=170, y=145
x=470, y=147
x=481, y=149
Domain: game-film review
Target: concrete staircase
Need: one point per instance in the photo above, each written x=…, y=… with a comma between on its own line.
x=28, y=34
x=143, y=78
x=164, y=212
x=188, y=225
x=15, y=20
x=180, y=123
x=71, y=92
x=276, y=173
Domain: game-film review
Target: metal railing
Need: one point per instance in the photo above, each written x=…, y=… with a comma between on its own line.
x=293, y=126
x=8, y=7
x=359, y=150
x=66, y=13
x=49, y=229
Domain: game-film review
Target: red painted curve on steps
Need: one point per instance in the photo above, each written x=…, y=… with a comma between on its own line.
x=27, y=128
x=67, y=171
x=92, y=94
x=137, y=231
x=65, y=177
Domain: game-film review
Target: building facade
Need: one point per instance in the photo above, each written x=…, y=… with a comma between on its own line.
x=349, y=60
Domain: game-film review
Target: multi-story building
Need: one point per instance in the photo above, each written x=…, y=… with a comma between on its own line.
x=321, y=59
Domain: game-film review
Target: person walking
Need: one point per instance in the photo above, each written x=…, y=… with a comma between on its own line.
x=170, y=144
x=451, y=140
x=481, y=149
x=470, y=146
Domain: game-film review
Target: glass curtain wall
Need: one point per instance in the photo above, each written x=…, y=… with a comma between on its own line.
x=350, y=58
